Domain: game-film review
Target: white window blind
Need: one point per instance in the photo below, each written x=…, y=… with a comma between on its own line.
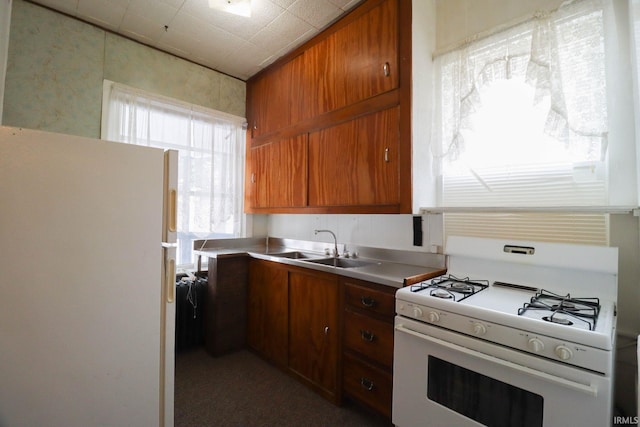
x=210, y=146
x=521, y=118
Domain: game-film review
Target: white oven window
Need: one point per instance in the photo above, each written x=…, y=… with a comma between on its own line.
x=481, y=398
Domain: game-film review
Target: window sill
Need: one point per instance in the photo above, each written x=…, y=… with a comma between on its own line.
x=534, y=209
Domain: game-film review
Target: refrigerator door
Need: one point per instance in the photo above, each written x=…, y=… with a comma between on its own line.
x=80, y=288
x=168, y=306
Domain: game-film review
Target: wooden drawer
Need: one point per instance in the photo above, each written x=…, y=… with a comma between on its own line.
x=369, y=299
x=370, y=337
x=368, y=384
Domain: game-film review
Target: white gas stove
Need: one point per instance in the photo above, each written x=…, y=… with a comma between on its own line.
x=546, y=311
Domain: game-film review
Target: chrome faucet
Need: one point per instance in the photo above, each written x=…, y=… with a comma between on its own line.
x=335, y=241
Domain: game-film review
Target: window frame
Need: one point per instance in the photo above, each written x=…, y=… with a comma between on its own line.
x=199, y=113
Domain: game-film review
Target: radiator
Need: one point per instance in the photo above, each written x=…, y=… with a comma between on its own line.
x=190, y=298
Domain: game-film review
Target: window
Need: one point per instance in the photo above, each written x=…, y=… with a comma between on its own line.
x=522, y=124
x=210, y=146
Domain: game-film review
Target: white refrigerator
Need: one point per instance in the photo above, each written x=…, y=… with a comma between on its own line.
x=87, y=267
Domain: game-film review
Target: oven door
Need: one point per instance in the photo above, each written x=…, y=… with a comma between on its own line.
x=445, y=378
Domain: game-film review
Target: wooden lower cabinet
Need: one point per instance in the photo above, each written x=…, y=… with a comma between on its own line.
x=293, y=322
x=333, y=333
x=313, y=329
x=225, y=317
x=367, y=343
x=267, y=311
x=368, y=384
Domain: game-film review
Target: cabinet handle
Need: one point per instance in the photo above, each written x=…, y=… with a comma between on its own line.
x=386, y=154
x=367, y=336
x=253, y=178
x=326, y=330
x=367, y=384
x=386, y=69
x=367, y=301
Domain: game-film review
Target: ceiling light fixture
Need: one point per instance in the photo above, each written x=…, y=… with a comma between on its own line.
x=237, y=7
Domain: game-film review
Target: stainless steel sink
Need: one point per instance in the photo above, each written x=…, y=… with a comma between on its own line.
x=340, y=262
x=295, y=255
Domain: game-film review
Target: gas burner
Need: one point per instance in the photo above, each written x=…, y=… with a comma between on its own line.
x=564, y=310
x=441, y=293
x=451, y=287
x=557, y=319
x=567, y=306
x=464, y=288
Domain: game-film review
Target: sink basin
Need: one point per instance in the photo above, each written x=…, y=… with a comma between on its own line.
x=294, y=255
x=340, y=262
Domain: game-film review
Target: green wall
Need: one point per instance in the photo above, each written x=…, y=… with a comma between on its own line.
x=56, y=66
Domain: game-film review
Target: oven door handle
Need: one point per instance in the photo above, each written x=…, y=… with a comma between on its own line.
x=587, y=389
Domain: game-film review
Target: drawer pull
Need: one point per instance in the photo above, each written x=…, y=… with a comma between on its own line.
x=367, y=384
x=366, y=335
x=367, y=301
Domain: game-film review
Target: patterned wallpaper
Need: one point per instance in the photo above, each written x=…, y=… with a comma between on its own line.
x=56, y=66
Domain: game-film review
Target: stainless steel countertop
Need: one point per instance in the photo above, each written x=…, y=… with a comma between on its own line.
x=388, y=267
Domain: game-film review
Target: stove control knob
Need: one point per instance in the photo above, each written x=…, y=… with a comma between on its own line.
x=479, y=329
x=417, y=312
x=535, y=345
x=563, y=352
x=433, y=317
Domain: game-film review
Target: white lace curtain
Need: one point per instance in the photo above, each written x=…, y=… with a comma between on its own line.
x=493, y=182
x=210, y=174
x=561, y=55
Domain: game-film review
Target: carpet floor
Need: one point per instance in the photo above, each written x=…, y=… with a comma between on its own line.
x=240, y=389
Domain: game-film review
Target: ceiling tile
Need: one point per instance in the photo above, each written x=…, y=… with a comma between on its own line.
x=270, y=40
x=235, y=45
x=141, y=28
x=316, y=12
x=178, y=40
x=283, y=3
x=345, y=4
x=104, y=13
x=289, y=26
x=152, y=10
x=174, y=3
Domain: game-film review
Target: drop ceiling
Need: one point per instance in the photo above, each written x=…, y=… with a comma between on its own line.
x=235, y=45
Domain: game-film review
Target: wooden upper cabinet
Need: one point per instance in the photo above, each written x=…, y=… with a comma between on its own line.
x=348, y=89
x=276, y=174
x=276, y=98
x=355, y=63
x=356, y=162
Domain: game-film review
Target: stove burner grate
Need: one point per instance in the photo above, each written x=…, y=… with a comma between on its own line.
x=563, y=309
x=451, y=287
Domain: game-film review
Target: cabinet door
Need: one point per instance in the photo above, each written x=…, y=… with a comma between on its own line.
x=267, y=316
x=356, y=62
x=277, y=174
x=369, y=54
x=356, y=163
x=275, y=98
x=313, y=328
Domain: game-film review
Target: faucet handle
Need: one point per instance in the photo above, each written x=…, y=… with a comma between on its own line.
x=345, y=252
